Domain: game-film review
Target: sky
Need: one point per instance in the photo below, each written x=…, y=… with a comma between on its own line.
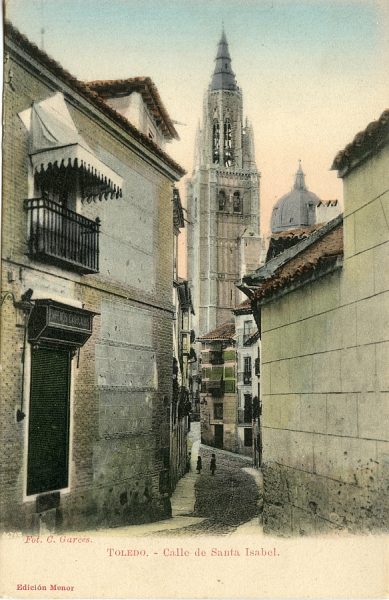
x=313, y=72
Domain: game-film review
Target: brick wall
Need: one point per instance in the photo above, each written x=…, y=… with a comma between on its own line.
x=117, y=433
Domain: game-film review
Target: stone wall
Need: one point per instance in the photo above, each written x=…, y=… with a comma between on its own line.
x=325, y=351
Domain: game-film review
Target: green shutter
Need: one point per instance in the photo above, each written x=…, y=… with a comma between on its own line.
x=216, y=373
x=229, y=372
x=229, y=355
x=229, y=386
x=48, y=430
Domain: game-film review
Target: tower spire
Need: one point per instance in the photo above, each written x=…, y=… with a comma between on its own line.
x=223, y=76
x=299, y=182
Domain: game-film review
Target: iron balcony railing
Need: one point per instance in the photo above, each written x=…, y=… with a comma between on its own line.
x=61, y=236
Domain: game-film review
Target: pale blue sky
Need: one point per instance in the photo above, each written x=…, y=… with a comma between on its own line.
x=313, y=73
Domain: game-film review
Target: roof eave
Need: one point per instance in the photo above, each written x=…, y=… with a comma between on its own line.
x=304, y=279
x=22, y=46
x=253, y=280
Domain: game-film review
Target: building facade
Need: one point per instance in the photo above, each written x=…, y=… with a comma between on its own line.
x=325, y=339
x=184, y=356
x=218, y=400
x=222, y=198
x=247, y=381
x=86, y=325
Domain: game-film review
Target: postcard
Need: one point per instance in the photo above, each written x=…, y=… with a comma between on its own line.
x=194, y=300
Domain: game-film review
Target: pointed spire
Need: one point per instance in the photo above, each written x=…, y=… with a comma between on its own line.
x=299, y=182
x=223, y=76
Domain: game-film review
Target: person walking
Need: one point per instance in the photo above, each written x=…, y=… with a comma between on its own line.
x=213, y=465
x=199, y=465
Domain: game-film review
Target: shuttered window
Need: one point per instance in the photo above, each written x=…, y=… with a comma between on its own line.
x=48, y=431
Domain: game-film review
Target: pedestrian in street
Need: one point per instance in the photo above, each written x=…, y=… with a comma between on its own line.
x=213, y=465
x=188, y=462
x=199, y=465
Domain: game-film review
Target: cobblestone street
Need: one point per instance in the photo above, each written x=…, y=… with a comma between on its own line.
x=221, y=504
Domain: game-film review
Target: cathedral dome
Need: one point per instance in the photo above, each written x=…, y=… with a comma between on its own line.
x=295, y=209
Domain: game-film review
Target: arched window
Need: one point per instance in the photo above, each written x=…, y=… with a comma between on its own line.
x=222, y=200
x=237, y=202
x=216, y=142
x=228, y=154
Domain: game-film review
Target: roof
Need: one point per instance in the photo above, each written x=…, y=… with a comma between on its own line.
x=364, y=144
x=223, y=77
x=244, y=308
x=296, y=208
x=282, y=240
x=146, y=87
x=86, y=92
x=320, y=253
x=225, y=331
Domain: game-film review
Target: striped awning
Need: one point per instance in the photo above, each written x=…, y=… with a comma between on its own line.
x=57, y=150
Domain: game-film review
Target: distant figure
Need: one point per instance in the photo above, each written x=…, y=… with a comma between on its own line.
x=188, y=462
x=199, y=465
x=213, y=464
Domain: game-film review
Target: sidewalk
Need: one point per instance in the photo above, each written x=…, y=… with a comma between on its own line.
x=183, y=498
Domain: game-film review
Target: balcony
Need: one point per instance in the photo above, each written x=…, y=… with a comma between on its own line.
x=61, y=236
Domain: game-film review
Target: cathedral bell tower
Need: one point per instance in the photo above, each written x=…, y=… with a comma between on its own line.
x=223, y=198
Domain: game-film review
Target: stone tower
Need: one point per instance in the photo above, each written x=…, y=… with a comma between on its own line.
x=223, y=199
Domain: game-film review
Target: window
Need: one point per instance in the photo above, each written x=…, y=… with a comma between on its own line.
x=248, y=408
x=227, y=143
x=218, y=411
x=248, y=436
x=248, y=330
x=216, y=142
x=237, y=202
x=257, y=368
x=222, y=200
x=247, y=370
x=66, y=172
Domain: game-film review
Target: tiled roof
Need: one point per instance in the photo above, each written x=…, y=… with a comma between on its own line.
x=225, y=331
x=282, y=240
x=244, y=308
x=81, y=88
x=364, y=143
x=147, y=88
x=323, y=253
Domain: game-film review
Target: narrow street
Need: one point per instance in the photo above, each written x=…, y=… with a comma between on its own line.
x=224, y=501
x=227, y=503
